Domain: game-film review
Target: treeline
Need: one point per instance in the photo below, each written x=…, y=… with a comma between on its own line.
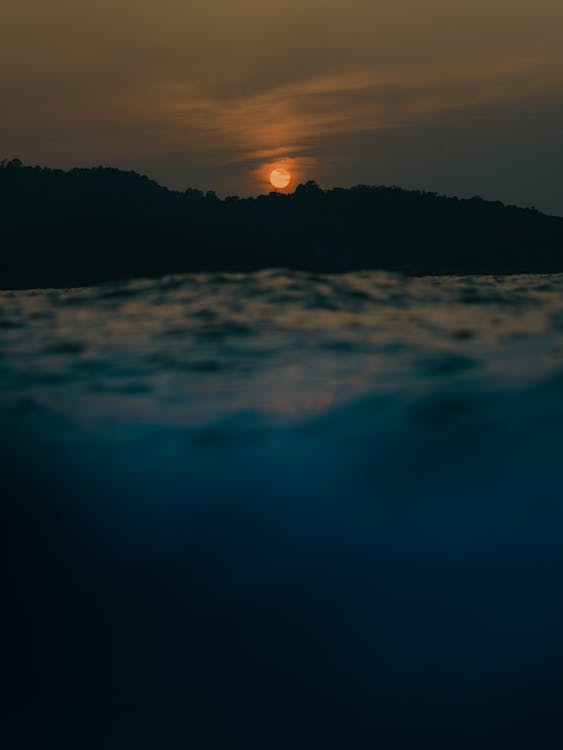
x=85, y=226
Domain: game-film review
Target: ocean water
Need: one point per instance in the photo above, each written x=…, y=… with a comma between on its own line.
x=286, y=510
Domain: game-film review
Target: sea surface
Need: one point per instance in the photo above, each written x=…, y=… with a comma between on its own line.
x=284, y=510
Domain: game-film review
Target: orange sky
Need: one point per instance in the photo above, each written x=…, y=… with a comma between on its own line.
x=454, y=96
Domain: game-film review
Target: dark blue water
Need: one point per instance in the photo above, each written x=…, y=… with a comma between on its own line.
x=282, y=510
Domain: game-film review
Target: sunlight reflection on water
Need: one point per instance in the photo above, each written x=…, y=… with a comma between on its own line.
x=186, y=350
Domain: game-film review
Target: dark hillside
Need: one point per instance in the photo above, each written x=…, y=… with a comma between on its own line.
x=91, y=225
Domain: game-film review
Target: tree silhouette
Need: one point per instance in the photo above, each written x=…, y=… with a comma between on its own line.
x=90, y=225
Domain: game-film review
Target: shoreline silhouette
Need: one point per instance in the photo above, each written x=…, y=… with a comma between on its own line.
x=88, y=226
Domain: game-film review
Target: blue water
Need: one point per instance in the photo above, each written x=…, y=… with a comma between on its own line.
x=284, y=510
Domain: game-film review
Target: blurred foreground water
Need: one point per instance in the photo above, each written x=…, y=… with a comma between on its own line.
x=280, y=510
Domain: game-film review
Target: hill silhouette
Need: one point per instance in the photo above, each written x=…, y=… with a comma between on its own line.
x=86, y=226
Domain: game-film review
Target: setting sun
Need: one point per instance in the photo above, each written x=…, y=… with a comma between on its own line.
x=280, y=177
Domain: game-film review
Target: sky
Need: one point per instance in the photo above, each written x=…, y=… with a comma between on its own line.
x=461, y=97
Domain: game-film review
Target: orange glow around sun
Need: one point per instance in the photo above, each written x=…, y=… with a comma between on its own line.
x=282, y=173
x=280, y=177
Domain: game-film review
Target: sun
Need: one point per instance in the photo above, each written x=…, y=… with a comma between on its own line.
x=280, y=177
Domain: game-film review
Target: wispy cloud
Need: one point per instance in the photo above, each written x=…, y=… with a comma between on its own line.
x=288, y=121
